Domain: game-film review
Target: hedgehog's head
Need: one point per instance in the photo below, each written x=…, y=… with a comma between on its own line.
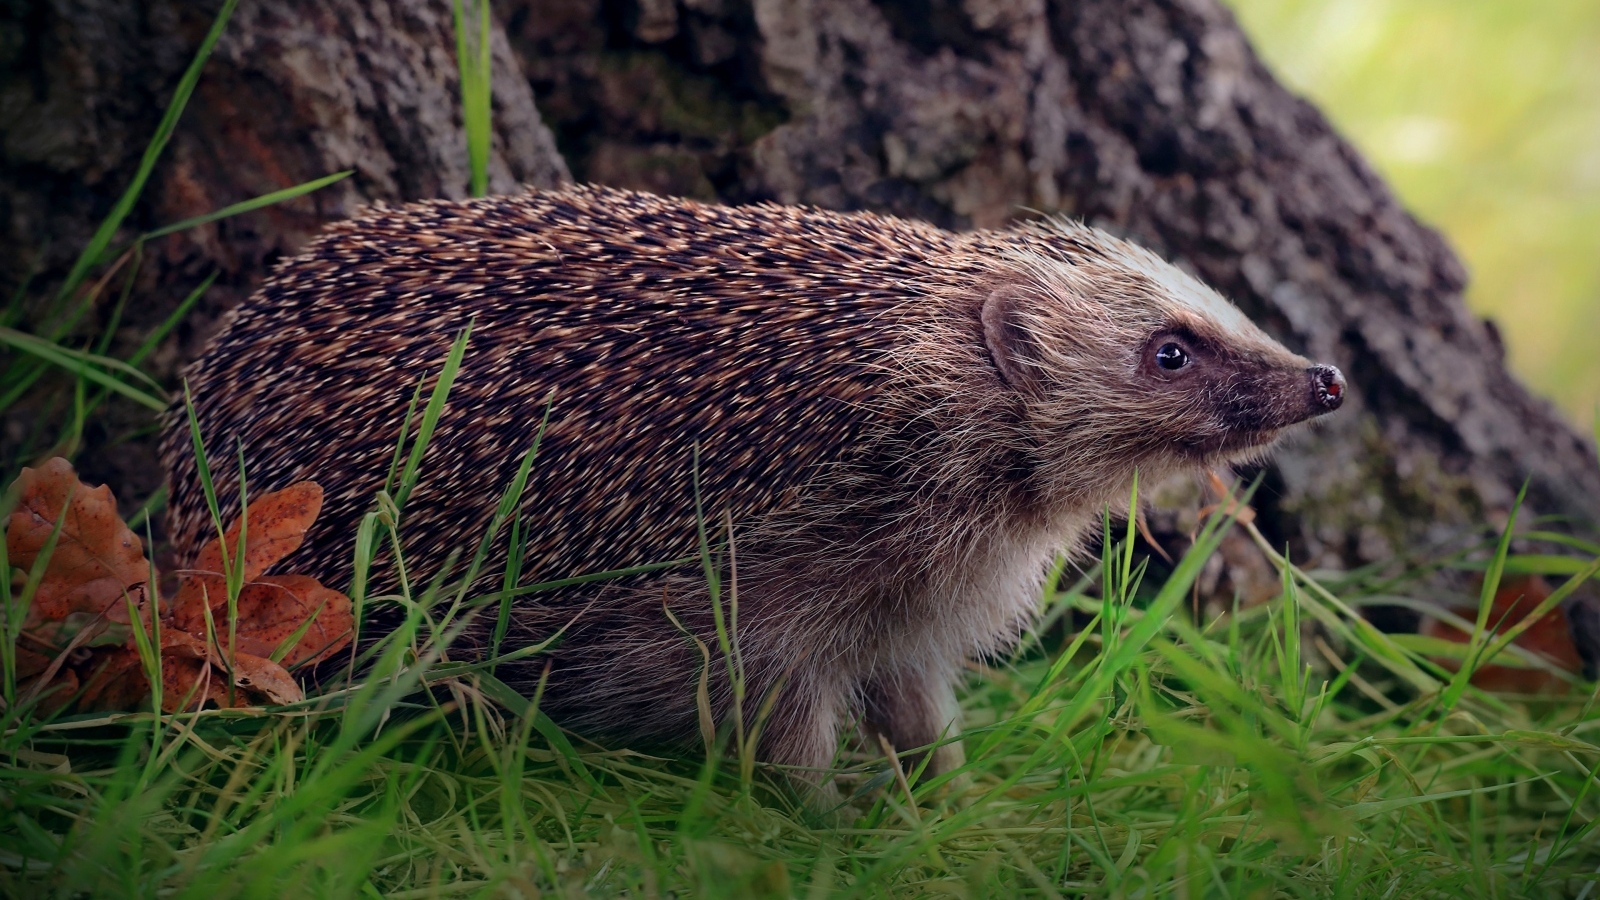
x=1123, y=361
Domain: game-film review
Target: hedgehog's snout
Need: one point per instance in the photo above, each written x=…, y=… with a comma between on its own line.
x=1327, y=388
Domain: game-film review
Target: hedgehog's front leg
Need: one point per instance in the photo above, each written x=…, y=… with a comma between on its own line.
x=914, y=706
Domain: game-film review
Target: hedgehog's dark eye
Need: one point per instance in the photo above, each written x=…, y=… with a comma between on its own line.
x=1172, y=357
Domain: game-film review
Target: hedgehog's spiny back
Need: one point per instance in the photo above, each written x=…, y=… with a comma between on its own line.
x=757, y=332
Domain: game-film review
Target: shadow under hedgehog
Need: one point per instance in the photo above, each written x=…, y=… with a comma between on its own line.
x=904, y=425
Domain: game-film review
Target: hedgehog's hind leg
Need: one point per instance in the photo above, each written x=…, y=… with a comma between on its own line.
x=801, y=734
x=914, y=706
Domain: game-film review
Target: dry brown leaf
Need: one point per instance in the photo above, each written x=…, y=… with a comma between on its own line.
x=116, y=681
x=274, y=608
x=195, y=593
x=188, y=660
x=265, y=678
x=185, y=673
x=188, y=679
x=278, y=521
x=192, y=680
x=96, y=559
x=1550, y=637
x=30, y=663
x=1242, y=514
x=182, y=645
x=277, y=525
x=57, y=693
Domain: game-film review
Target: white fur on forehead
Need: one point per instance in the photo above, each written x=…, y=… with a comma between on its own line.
x=1064, y=241
x=1188, y=291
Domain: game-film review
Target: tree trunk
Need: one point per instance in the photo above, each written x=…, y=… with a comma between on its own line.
x=295, y=90
x=1150, y=118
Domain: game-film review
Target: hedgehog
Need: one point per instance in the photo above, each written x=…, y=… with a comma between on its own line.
x=891, y=431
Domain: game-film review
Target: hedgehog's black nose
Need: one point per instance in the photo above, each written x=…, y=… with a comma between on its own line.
x=1327, y=387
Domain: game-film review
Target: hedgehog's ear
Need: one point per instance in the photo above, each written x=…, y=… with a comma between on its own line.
x=1004, y=336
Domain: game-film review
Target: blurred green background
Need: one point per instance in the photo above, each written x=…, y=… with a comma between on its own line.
x=1485, y=117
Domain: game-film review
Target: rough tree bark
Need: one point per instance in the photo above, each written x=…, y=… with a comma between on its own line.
x=1152, y=118
x=294, y=90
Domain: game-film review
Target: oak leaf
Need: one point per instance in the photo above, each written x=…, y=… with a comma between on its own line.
x=194, y=672
x=97, y=559
x=275, y=524
x=116, y=681
x=273, y=609
x=190, y=684
x=54, y=694
x=263, y=677
x=1549, y=636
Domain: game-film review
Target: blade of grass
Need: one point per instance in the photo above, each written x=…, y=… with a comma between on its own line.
x=110, y=329
x=430, y=416
x=516, y=546
x=1534, y=563
x=510, y=503
x=41, y=565
x=1479, y=637
x=169, y=122
x=19, y=378
x=83, y=364
x=152, y=505
x=511, y=699
x=473, y=62
x=13, y=311
x=155, y=337
x=255, y=203
x=1546, y=606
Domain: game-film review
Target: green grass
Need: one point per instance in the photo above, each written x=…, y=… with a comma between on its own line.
x=474, y=65
x=1122, y=750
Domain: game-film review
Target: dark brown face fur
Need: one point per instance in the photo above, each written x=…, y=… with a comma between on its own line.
x=1237, y=399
